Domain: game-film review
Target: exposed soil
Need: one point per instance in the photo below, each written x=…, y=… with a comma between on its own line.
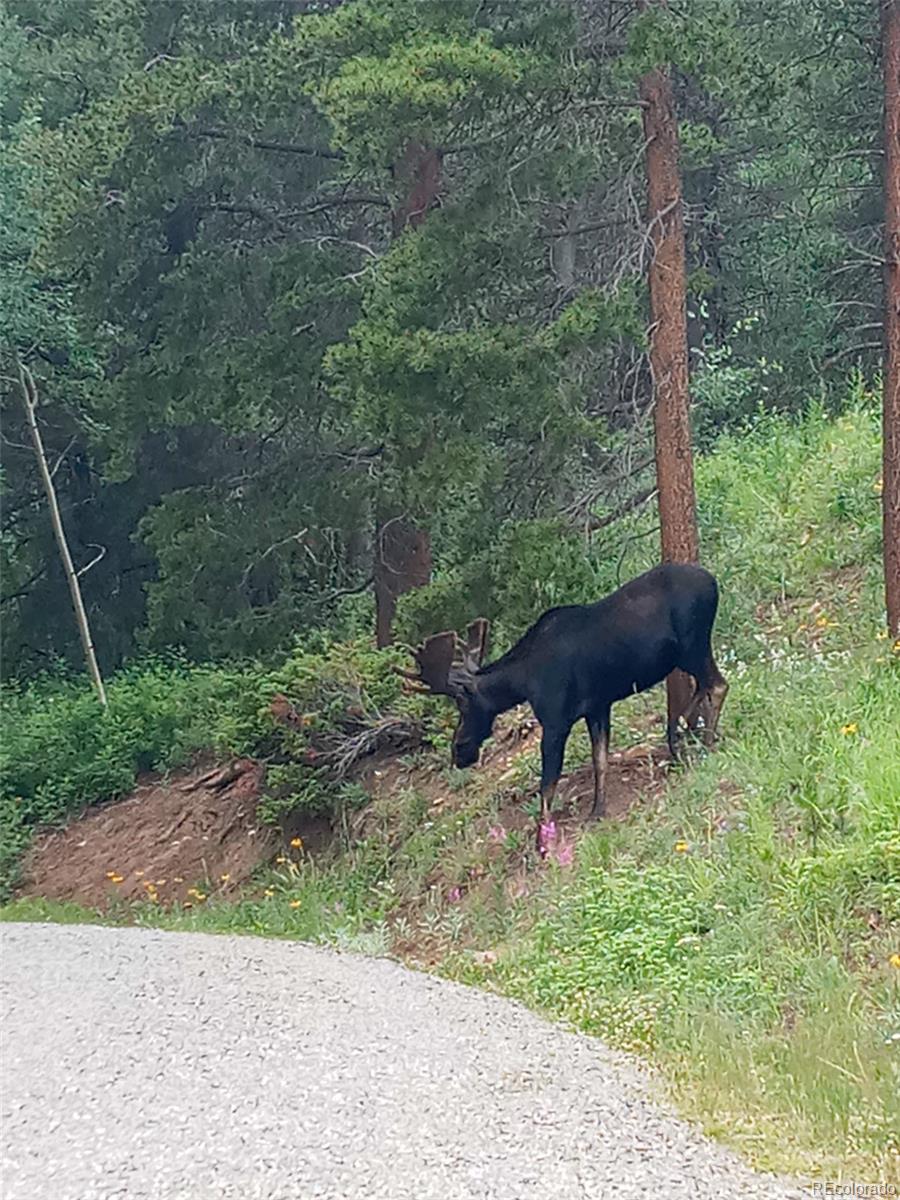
x=188, y=830
x=197, y=830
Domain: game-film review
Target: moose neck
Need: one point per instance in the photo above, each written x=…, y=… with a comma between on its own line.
x=499, y=687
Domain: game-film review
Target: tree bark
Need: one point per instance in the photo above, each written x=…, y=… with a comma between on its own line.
x=418, y=172
x=668, y=340
x=668, y=314
x=402, y=563
x=402, y=549
x=890, y=45
x=29, y=397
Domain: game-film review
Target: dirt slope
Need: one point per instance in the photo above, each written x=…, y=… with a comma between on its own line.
x=197, y=830
x=196, y=827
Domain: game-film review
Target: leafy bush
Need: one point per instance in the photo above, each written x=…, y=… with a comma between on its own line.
x=61, y=750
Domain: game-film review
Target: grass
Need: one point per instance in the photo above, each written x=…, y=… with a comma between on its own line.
x=742, y=931
x=743, y=937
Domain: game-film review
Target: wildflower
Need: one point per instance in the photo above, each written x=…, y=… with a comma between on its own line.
x=188, y=904
x=546, y=836
x=878, y=487
x=140, y=873
x=565, y=854
x=454, y=894
x=846, y=730
x=160, y=882
x=268, y=893
x=110, y=874
x=224, y=878
x=295, y=903
x=178, y=879
x=822, y=621
x=894, y=960
x=682, y=847
x=281, y=859
x=895, y=649
x=297, y=843
x=496, y=833
x=116, y=878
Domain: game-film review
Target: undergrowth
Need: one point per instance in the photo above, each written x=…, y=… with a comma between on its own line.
x=742, y=931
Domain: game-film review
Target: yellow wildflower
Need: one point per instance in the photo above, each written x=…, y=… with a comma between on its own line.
x=295, y=904
x=224, y=878
x=894, y=960
x=268, y=893
x=682, y=847
x=297, y=843
x=281, y=859
x=160, y=882
x=896, y=647
x=846, y=730
x=116, y=878
x=110, y=874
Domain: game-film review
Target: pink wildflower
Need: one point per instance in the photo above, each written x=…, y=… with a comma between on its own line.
x=454, y=895
x=496, y=833
x=546, y=836
x=565, y=854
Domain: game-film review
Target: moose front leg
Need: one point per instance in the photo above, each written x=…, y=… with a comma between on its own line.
x=553, y=749
x=598, y=728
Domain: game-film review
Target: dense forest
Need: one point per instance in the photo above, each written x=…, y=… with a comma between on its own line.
x=335, y=307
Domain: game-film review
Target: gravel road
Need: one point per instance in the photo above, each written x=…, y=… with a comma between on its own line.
x=141, y=1064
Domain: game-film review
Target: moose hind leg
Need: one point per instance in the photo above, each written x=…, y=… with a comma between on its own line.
x=717, y=691
x=712, y=689
x=599, y=733
x=680, y=692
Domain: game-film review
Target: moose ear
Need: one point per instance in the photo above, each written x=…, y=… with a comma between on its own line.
x=477, y=643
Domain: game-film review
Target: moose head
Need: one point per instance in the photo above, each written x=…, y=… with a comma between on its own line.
x=447, y=667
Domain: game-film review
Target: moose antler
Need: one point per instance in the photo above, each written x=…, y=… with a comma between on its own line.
x=476, y=643
x=444, y=664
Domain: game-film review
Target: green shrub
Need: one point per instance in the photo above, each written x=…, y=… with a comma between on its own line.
x=62, y=751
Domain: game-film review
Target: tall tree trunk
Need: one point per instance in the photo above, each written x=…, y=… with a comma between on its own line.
x=402, y=549
x=30, y=399
x=402, y=563
x=668, y=342
x=890, y=47
x=418, y=175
